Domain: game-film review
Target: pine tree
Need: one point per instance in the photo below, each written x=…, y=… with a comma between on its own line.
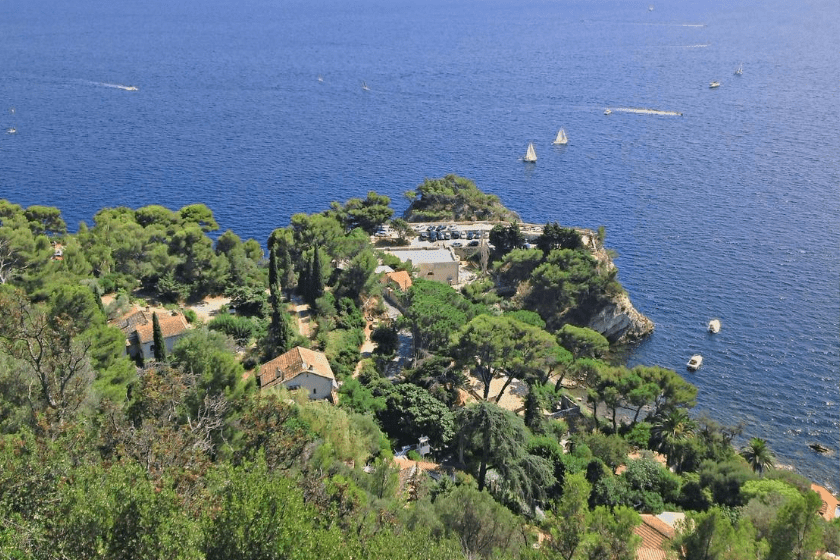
x=157, y=339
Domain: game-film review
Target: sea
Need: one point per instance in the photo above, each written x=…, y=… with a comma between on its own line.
x=720, y=202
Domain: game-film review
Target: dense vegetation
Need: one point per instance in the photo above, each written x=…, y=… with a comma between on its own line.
x=454, y=198
x=184, y=457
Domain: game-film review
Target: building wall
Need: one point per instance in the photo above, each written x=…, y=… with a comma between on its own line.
x=148, y=353
x=443, y=272
x=318, y=387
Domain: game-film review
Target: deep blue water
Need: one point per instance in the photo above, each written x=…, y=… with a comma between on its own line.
x=730, y=210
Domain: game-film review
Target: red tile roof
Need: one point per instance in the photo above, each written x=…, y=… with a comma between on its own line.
x=170, y=325
x=656, y=538
x=401, y=278
x=291, y=364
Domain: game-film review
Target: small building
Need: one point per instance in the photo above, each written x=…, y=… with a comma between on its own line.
x=399, y=279
x=138, y=326
x=301, y=368
x=433, y=263
x=657, y=532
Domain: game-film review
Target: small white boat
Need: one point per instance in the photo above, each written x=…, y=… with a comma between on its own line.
x=365, y=86
x=607, y=111
x=714, y=85
x=714, y=326
x=561, y=137
x=320, y=78
x=130, y=88
x=12, y=130
x=695, y=362
x=530, y=155
x=740, y=70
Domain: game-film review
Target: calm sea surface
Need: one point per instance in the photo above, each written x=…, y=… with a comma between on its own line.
x=730, y=210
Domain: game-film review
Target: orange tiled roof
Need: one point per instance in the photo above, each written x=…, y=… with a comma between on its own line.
x=401, y=278
x=294, y=362
x=170, y=325
x=656, y=537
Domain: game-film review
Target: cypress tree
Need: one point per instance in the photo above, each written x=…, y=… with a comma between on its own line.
x=288, y=268
x=157, y=339
x=272, y=274
x=316, y=280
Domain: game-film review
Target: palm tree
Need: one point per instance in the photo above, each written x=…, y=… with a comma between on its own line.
x=670, y=431
x=758, y=455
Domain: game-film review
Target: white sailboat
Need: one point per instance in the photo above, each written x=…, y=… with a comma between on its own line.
x=365, y=86
x=530, y=155
x=740, y=70
x=561, y=137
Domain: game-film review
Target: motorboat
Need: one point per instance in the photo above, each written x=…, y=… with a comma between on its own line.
x=561, y=137
x=130, y=88
x=12, y=130
x=607, y=111
x=365, y=86
x=530, y=154
x=714, y=85
x=695, y=362
x=714, y=326
x=740, y=70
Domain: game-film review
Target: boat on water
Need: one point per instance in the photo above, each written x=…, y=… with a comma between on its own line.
x=320, y=78
x=607, y=111
x=561, y=137
x=12, y=130
x=530, y=154
x=714, y=85
x=714, y=326
x=365, y=86
x=740, y=70
x=695, y=362
x=130, y=88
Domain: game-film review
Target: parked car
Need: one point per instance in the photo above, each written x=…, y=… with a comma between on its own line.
x=432, y=236
x=457, y=244
x=446, y=235
x=469, y=235
x=456, y=234
x=472, y=244
x=424, y=235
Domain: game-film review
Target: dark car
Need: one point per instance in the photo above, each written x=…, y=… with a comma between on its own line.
x=472, y=244
x=456, y=234
x=432, y=236
x=469, y=235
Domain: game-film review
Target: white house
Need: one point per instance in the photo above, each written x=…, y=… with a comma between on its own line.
x=301, y=368
x=433, y=263
x=139, y=331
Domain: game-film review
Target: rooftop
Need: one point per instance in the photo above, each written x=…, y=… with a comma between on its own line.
x=424, y=256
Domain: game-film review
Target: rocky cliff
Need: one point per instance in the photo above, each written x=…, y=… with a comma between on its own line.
x=617, y=319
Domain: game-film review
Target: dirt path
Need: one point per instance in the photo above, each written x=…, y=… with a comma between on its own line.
x=303, y=316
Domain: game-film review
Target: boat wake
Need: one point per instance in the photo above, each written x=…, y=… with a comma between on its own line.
x=648, y=111
x=115, y=86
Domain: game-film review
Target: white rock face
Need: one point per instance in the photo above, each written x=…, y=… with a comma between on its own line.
x=619, y=321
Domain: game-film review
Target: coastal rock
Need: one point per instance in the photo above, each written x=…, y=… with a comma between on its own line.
x=619, y=321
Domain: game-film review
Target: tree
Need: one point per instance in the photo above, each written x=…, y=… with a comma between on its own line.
x=711, y=535
x=583, y=342
x=796, y=532
x=505, y=239
x=495, y=438
x=568, y=531
x=482, y=525
x=503, y=345
x=556, y=237
x=757, y=453
x=48, y=339
x=157, y=339
x=387, y=340
x=367, y=214
x=669, y=434
x=412, y=412
x=434, y=312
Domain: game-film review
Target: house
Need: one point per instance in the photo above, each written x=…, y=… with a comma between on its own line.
x=139, y=331
x=301, y=368
x=400, y=279
x=433, y=263
x=656, y=532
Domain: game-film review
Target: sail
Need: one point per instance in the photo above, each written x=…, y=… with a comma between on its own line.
x=561, y=137
x=530, y=155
